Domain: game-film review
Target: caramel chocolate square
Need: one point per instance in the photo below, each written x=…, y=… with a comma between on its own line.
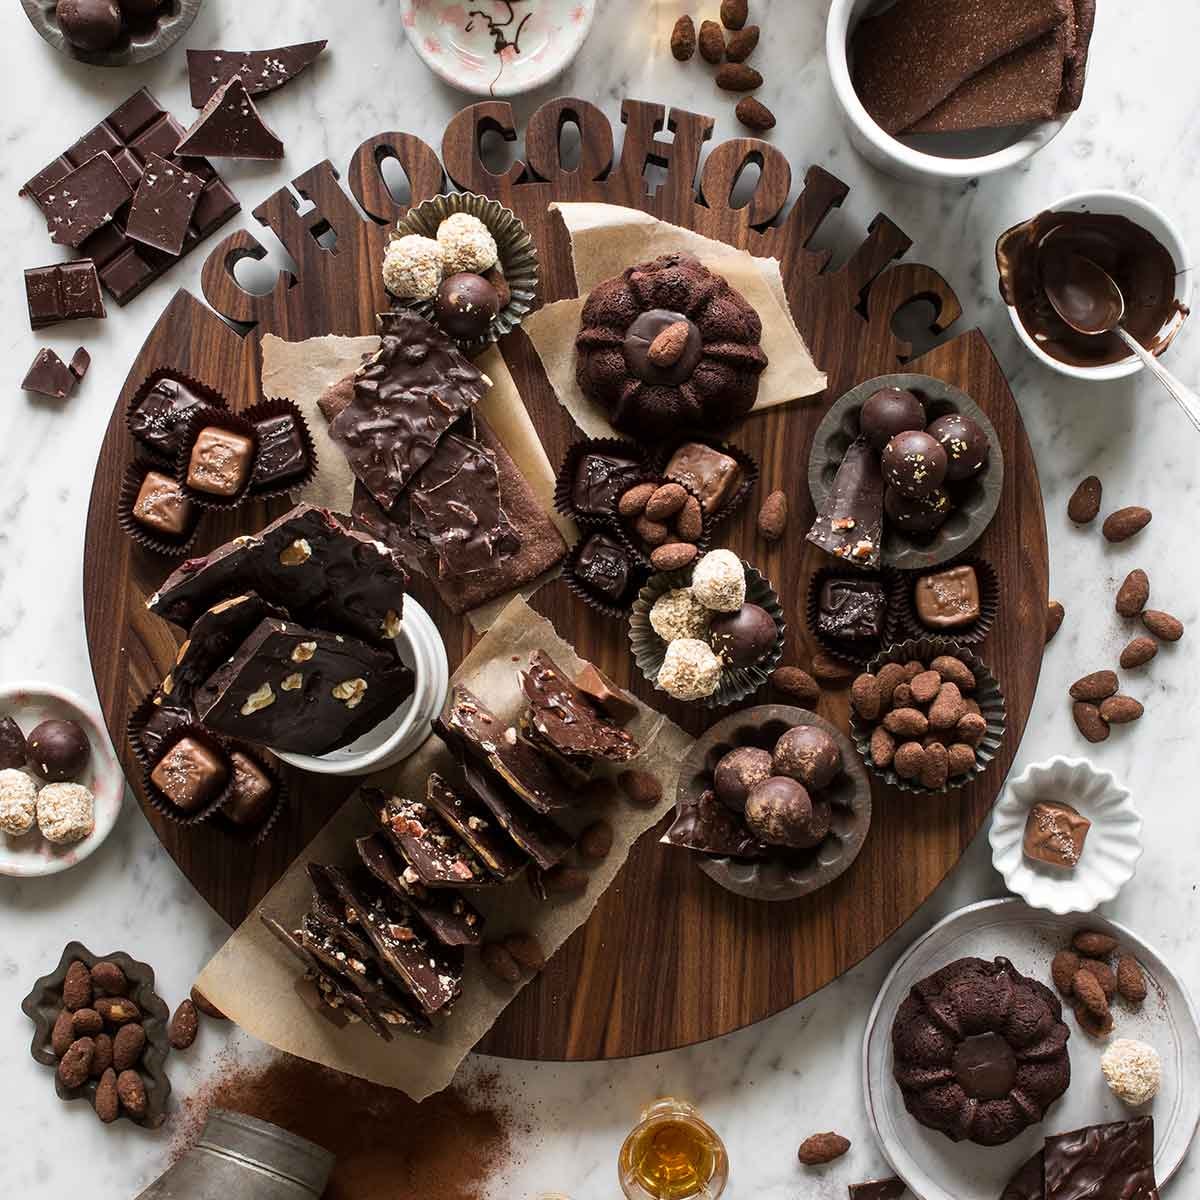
x=604, y=566
x=281, y=451
x=161, y=505
x=711, y=474
x=948, y=599
x=1055, y=834
x=251, y=793
x=221, y=461
x=190, y=775
x=599, y=481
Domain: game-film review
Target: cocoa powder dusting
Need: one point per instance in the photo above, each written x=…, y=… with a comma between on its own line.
x=387, y=1146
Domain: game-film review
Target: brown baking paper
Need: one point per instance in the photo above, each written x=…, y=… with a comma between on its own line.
x=253, y=979
x=605, y=240
x=301, y=372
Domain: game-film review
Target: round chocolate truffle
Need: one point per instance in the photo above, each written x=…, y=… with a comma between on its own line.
x=926, y=514
x=966, y=445
x=738, y=773
x=809, y=755
x=888, y=412
x=466, y=306
x=741, y=638
x=58, y=750
x=90, y=24
x=914, y=463
x=780, y=812
x=140, y=10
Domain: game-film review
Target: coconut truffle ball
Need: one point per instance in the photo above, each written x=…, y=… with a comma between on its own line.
x=1132, y=1070
x=719, y=581
x=18, y=802
x=467, y=244
x=412, y=267
x=66, y=812
x=690, y=670
x=678, y=614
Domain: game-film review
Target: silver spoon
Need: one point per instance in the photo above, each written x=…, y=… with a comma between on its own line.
x=1088, y=299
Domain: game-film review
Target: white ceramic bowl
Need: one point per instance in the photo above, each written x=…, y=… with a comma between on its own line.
x=29, y=704
x=938, y=158
x=1110, y=854
x=458, y=48
x=1149, y=217
x=420, y=646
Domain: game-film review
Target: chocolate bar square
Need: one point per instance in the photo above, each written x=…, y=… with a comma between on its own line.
x=63, y=292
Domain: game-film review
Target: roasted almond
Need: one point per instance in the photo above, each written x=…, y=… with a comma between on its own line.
x=948, y=708
x=87, y=1022
x=738, y=77
x=689, y=522
x=74, y=1066
x=798, y=684
x=954, y=670
x=108, y=978
x=1084, y=504
x=1104, y=975
x=118, y=1010
x=906, y=722
x=206, y=1006
x=596, y=841
x=1139, y=652
x=1120, y=710
x=63, y=1033
x=1062, y=970
x=883, y=748
x=1164, y=626
x=128, y=1043
x=77, y=987
x=935, y=770
x=641, y=787
x=1054, y=618
x=1125, y=522
x=131, y=1092
x=184, y=1026
x=500, y=962
x=665, y=501
x=652, y=533
x=1087, y=990
x=107, y=1102
x=822, y=1148
x=909, y=760
x=1095, y=687
x=1133, y=593
x=1089, y=721
x=864, y=695
x=527, y=950
x=1091, y=1024
x=960, y=758
x=925, y=686
x=633, y=501
x=102, y=1059
x=890, y=675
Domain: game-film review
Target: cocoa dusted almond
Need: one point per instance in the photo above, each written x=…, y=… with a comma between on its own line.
x=883, y=748
x=107, y=1102
x=1133, y=593
x=1120, y=710
x=673, y=556
x=526, y=950
x=562, y=880
x=832, y=670
x=108, y=978
x=1139, y=652
x=1104, y=975
x=1125, y=522
x=798, y=684
x=1091, y=943
x=735, y=13
x=76, y=1064
x=1095, y=687
x=712, y=42
x=131, y=1092
x=63, y=1033
x=77, y=987
x=865, y=696
x=1089, y=722
x=1054, y=619
x=1062, y=970
x=1089, y=993
x=666, y=501
x=683, y=38
x=773, y=516
x=184, y=1026
x=822, y=1148
x=596, y=841
x=738, y=77
x=742, y=44
x=641, y=787
x=500, y=962
x=1131, y=982
x=633, y=502
x=1164, y=626
x=754, y=114
x=1084, y=504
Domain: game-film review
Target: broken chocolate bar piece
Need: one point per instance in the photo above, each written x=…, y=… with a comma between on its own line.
x=84, y=200
x=63, y=292
x=322, y=572
x=879, y=1189
x=849, y=524
x=568, y=722
x=1104, y=1162
x=437, y=855
x=706, y=825
x=49, y=376
x=163, y=204
x=611, y=700
x=229, y=126
x=474, y=823
x=303, y=690
x=261, y=70
x=405, y=399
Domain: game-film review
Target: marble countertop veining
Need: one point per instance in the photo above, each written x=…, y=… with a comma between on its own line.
x=766, y=1087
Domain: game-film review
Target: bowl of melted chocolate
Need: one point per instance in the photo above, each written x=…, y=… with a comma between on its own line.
x=1133, y=242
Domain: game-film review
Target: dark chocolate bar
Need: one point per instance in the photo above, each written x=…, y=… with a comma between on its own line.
x=129, y=134
x=261, y=70
x=84, y=200
x=437, y=855
x=304, y=690
x=229, y=126
x=63, y=292
x=706, y=825
x=307, y=562
x=49, y=376
x=849, y=524
x=162, y=208
x=474, y=823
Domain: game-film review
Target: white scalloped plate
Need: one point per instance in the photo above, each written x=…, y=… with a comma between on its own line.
x=936, y=1168
x=1110, y=853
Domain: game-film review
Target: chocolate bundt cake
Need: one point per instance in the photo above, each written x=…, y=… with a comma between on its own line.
x=669, y=345
x=980, y=1051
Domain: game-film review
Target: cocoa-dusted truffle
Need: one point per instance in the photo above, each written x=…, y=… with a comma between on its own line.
x=678, y=614
x=719, y=581
x=966, y=445
x=888, y=412
x=742, y=638
x=920, y=515
x=737, y=773
x=690, y=670
x=466, y=305
x=412, y=267
x=467, y=244
x=58, y=750
x=914, y=463
x=780, y=812
x=808, y=755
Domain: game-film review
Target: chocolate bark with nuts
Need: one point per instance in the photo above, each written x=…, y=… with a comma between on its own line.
x=303, y=690
x=475, y=824
x=438, y=857
x=308, y=562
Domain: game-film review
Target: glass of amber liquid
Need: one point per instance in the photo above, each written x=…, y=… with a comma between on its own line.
x=673, y=1155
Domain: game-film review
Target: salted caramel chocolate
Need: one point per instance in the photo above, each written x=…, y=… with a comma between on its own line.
x=947, y=599
x=603, y=565
x=600, y=478
x=712, y=475
x=220, y=462
x=282, y=453
x=190, y=774
x=851, y=609
x=161, y=505
x=1055, y=834
x=160, y=417
x=251, y=792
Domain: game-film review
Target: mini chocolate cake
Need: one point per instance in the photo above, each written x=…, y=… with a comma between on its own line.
x=669, y=344
x=980, y=1051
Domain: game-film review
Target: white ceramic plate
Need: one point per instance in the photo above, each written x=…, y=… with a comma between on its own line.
x=1110, y=854
x=459, y=49
x=29, y=704
x=936, y=1168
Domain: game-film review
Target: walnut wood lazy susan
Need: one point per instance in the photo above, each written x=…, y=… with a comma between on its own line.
x=668, y=958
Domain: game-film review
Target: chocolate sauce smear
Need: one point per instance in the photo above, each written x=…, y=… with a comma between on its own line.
x=499, y=29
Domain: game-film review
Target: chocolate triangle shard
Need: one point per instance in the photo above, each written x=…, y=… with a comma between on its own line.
x=849, y=524
x=229, y=127
x=261, y=70
x=706, y=825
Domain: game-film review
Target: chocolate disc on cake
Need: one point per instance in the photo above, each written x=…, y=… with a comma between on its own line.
x=914, y=463
x=966, y=445
x=888, y=412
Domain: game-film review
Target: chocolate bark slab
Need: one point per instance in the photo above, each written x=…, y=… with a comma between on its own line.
x=1102, y=1162
x=307, y=562
x=163, y=205
x=438, y=856
x=304, y=690
x=705, y=824
x=475, y=824
x=405, y=400
x=229, y=126
x=63, y=292
x=850, y=523
x=261, y=70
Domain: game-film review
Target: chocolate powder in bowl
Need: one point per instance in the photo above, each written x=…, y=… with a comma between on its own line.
x=387, y=1146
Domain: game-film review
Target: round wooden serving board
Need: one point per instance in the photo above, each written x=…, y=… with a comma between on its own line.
x=668, y=957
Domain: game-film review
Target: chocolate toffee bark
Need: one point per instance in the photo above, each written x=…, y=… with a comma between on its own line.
x=850, y=522
x=261, y=71
x=320, y=571
x=475, y=824
x=304, y=690
x=438, y=857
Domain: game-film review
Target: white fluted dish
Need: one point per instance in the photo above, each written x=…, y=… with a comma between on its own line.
x=1110, y=853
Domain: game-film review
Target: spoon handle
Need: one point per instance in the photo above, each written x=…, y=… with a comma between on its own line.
x=1187, y=399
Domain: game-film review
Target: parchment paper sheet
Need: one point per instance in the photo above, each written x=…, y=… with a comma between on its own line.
x=605, y=240
x=302, y=371
x=253, y=979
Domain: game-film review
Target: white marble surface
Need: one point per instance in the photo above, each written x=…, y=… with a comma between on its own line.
x=768, y=1086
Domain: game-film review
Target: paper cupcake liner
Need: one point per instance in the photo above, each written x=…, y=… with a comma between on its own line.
x=843, y=649
x=987, y=695
x=136, y=725
x=736, y=683
x=911, y=624
x=242, y=833
x=749, y=465
x=634, y=544
x=518, y=257
x=143, y=535
x=566, y=477
x=277, y=407
x=224, y=419
x=160, y=803
x=594, y=600
x=213, y=398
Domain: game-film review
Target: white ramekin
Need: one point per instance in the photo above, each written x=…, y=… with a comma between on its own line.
x=896, y=157
x=420, y=646
x=1149, y=217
